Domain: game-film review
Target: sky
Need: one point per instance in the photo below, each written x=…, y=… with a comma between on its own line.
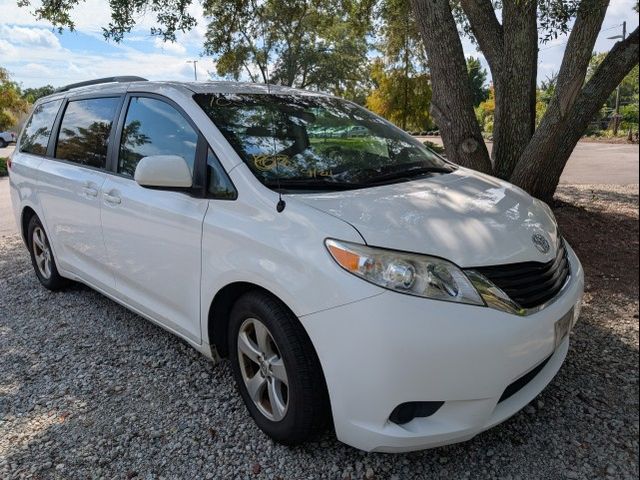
x=36, y=54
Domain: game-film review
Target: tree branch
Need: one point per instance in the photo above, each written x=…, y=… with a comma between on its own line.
x=540, y=177
x=486, y=28
x=577, y=55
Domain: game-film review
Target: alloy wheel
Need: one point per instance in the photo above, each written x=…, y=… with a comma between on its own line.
x=263, y=370
x=41, y=252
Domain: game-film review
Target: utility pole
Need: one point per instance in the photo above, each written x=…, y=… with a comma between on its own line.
x=195, y=68
x=616, y=118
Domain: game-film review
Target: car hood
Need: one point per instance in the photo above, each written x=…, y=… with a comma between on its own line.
x=466, y=217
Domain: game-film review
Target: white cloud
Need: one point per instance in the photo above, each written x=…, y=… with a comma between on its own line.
x=172, y=47
x=36, y=70
x=33, y=37
x=621, y=8
x=7, y=52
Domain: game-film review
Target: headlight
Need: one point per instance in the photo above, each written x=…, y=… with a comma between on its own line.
x=409, y=273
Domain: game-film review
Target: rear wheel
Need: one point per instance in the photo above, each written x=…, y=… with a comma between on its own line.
x=2, y=143
x=276, y=369
x=42, y=257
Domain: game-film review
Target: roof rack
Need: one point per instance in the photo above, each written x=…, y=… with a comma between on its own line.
x=98, y=81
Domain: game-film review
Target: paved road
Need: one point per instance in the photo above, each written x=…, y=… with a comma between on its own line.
x=590, y=163
x=593, y=163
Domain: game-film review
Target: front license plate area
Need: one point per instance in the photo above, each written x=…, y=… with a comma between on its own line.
x=563, y=327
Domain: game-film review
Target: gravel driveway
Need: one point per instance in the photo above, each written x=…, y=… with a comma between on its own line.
x=90, y=390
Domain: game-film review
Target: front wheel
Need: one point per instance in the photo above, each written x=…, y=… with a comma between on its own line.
x=276, y=369
x=3, y=143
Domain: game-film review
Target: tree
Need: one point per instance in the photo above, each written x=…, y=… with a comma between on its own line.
x=628, y=86
x=478, y=78
x=485, y=112
x=402, y=91
x=33, y=94
x=529, y=157
x=172, y=16
x=12, y=105
x=400, y=99
x=304, y=43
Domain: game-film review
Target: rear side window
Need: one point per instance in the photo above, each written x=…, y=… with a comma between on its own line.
x=84, y=131
x=36, y=134
x=153, y=127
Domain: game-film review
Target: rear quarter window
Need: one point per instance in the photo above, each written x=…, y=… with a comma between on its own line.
x=35, y=136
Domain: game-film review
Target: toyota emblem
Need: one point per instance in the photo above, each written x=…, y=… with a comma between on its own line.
x=541, y=243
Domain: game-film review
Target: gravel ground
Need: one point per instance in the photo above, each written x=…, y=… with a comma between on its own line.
x=90, y=390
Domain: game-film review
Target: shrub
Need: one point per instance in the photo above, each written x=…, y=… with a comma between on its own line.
x=434, y=146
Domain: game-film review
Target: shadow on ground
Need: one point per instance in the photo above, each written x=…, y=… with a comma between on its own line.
x=89, y=390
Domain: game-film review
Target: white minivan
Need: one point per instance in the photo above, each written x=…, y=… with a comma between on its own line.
x=356, y=280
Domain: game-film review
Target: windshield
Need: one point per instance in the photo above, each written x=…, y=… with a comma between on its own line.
x=300, y=142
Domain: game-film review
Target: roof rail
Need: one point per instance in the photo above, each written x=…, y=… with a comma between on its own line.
x=98, y=81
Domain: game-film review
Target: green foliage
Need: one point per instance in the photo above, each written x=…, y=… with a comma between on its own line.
x=400, y=99
x=398, y=37
x=401, y=85
x=33, y=94
x=12, y=105
x=3, y=167
x=171, y=16
x=303, y=43
x=548, y=88
x=485, y=112
x=434, y=147
x=478, y=78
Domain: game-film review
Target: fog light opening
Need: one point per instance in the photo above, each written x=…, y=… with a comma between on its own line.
x=405, y=412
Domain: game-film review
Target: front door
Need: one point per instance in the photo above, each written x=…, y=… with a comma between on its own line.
x=153, y=237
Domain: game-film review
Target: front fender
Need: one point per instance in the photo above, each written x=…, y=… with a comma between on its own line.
x=283, y=253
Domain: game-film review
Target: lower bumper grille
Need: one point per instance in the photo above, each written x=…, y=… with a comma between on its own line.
x=522, y=382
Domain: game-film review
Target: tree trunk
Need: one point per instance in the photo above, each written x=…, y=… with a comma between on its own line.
x=539, y=155
x=511, y=49
x=452, y=101
x=515, y=86
x=540, y=177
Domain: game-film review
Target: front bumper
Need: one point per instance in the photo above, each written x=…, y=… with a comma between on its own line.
x=390, y=349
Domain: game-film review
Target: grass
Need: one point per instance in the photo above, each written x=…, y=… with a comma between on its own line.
x=3, y=167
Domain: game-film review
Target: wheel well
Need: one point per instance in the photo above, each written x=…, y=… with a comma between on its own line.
x=27, y=214
x=220, y=310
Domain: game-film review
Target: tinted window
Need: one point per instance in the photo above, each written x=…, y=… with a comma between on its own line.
x=154, y=127
x=36, y=134
x=220, y=185
x=84, y=131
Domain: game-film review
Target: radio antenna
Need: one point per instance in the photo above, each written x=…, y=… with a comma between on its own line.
x=280, y=206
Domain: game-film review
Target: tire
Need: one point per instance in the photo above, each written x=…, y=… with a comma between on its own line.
x=3, y=143
x=42, y=257
x=307, y=410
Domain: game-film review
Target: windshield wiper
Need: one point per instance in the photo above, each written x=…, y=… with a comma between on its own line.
x=307, y=183
x=407, y=174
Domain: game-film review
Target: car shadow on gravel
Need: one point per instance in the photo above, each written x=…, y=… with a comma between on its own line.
x=89, y=390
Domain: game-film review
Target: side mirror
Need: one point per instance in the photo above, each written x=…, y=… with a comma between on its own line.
x=168, y=171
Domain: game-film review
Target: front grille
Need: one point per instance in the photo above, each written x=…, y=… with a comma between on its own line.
x=530, y=284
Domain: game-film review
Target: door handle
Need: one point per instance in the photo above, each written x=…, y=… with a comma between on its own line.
x=112, y=199
x=90, y=189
